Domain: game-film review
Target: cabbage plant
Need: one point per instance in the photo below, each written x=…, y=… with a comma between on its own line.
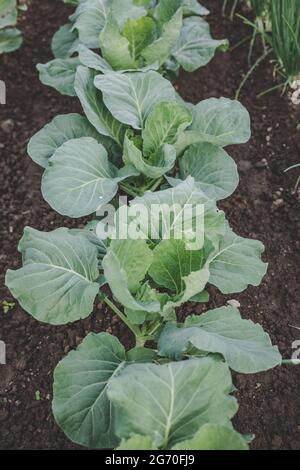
x=182, y=388
x=139, y=137
x=123, y=35
x=136, y=131
x=10, y=37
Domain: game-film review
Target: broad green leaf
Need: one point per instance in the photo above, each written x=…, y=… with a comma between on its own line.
x=134, y=257
x=245, y=346
x=193, y=7
x=92, y=60
x=214, y=437
x=215, y=172
x=91, y=18
x=115, y=48
x=7, y=6
x=64, y=42
x=89, y=232
x=118, y=283
x=137, y=442
x=219, y=121
x=131, y=97
x=172, y=263
x=141, y=354
x=61, y=129
x=59, y=74
x=80, y=404
x=10, y=40
x=163, y=125
x=237, y=263
x=155, y=167
x=175, y=218
x=165, y=10
x=9, y=20
x=170, y=402
x=123, y=10
x=94, y=108
x=79, y=178
x=57, y=283
x=222, y=121
x=160, y=49
x=195, y=46
x=139, y=33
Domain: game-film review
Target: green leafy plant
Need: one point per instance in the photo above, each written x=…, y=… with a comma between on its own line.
x=141, y=137
x=136, y=129
x=95, y=386
x=278, y=24
x=10, y=37
x=131, y=35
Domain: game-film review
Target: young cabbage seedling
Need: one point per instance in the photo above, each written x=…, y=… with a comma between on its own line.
x=131, y=35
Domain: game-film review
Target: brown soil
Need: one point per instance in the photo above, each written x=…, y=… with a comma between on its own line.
x=264, y=207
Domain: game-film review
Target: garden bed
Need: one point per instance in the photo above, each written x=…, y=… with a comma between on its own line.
x=264, y=207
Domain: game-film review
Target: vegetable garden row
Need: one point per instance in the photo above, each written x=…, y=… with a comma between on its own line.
x=138, y=137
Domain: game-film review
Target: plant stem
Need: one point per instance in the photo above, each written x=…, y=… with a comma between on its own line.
x=156, y=184
x=291, y=362
x=121, y=315
x=129, y=190
x=250, y=71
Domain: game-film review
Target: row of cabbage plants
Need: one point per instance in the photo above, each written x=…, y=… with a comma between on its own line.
x=137, y=136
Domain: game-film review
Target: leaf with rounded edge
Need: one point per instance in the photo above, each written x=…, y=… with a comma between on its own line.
x=219, y=121
x=245, y=346
x=195, y=46
x=222, y=121
x=94, y=108
x=80, y=178
x=237, y=263
x=215, y=172
x=118, y=283
x=131, y=97
x=64, y=42
x=61, y=129
x=163, y=125
x=214, y=437
x=170, y=402
x=90, y=20
x=59, y=74
x=137, y=442
x=57, y=283
x=80, y=404
x=154, y=168
x=10, y=40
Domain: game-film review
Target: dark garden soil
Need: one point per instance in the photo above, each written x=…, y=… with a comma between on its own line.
x=264, y=207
